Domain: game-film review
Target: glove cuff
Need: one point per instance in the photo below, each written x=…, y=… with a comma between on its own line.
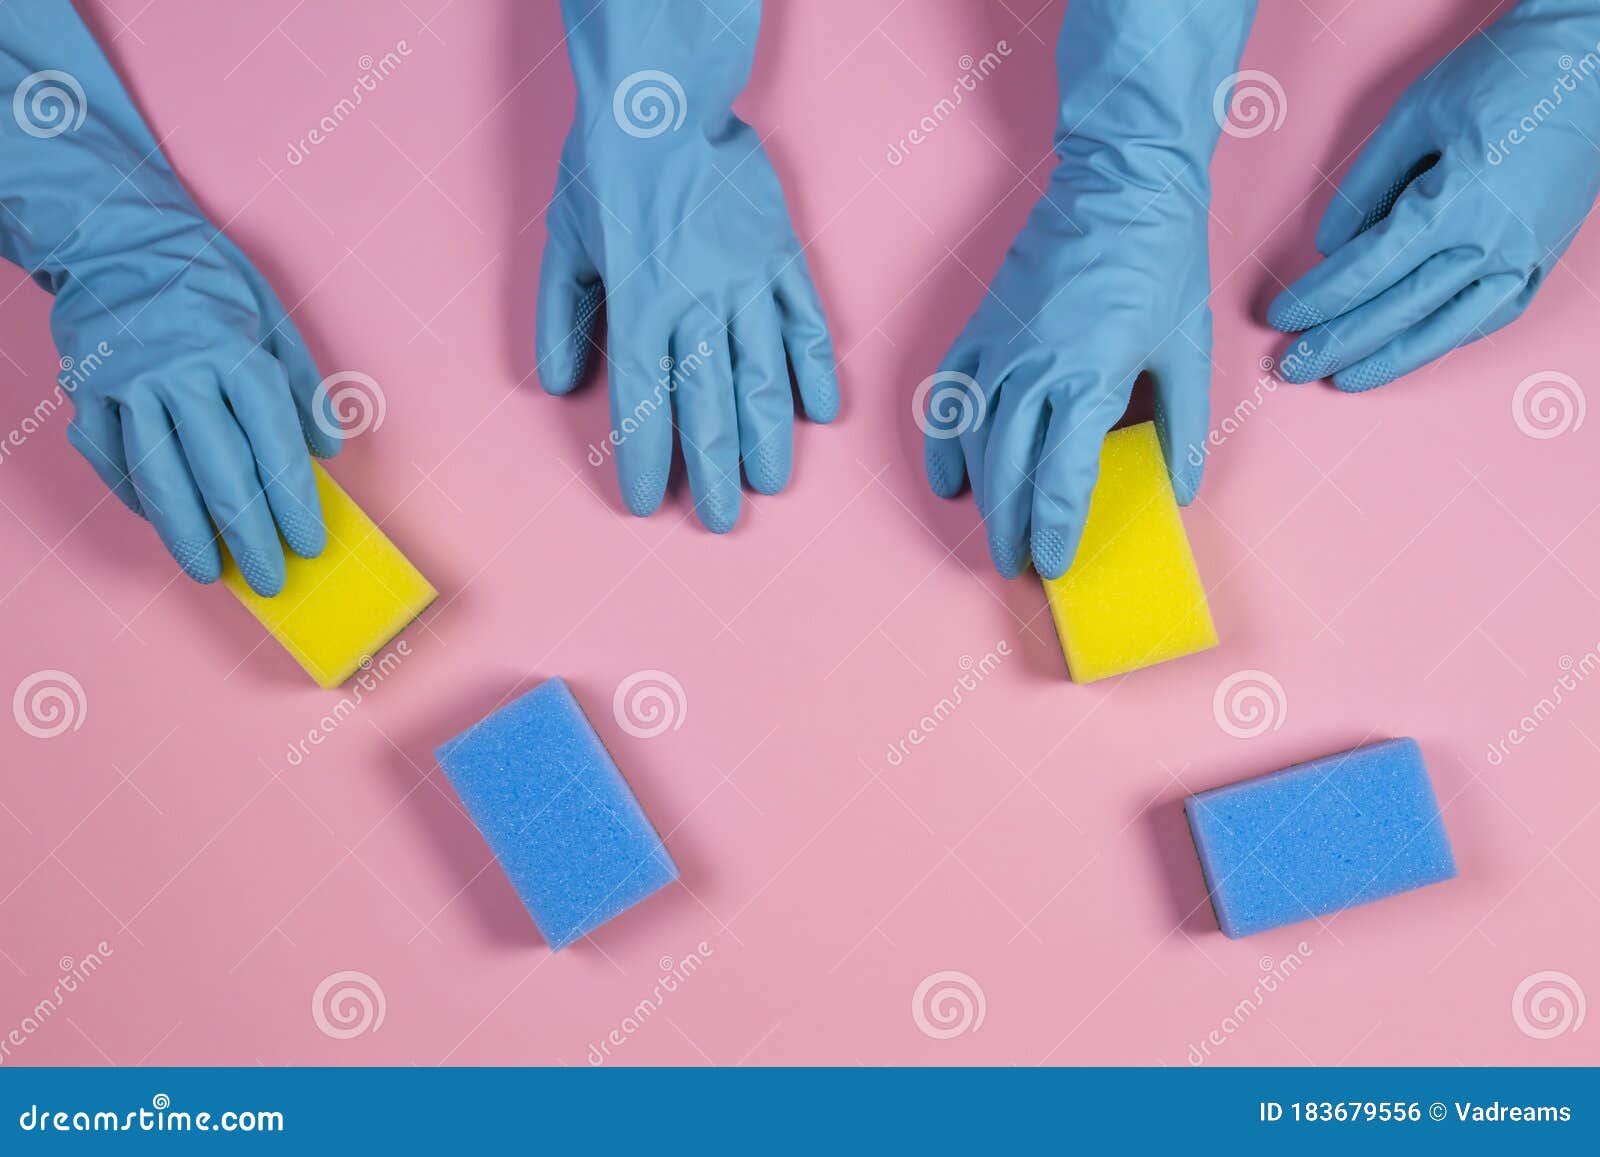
x=646, y=69
x=81, y=176
x=1146, y=87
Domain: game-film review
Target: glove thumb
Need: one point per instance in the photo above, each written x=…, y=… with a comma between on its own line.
x=570, y=295
x=1182, y=380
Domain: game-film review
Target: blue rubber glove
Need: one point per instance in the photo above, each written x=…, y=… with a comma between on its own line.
x=1108, y=279
x=668, y=209
x=193, y=396
x=1459, y=205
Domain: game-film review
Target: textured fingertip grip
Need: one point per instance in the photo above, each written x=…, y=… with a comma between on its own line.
x=1133, y=597
x=337, y=610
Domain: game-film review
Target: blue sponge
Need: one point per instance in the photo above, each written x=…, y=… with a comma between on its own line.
x=1342, y=830
x=557, y=813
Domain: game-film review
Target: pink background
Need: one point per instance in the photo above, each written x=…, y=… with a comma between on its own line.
x=1408, y=562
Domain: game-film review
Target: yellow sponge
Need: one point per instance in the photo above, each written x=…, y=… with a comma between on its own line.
x=1133, y=597
x=342, y=606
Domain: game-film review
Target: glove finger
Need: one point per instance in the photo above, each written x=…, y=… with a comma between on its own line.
x=806, y=339
x=1325, y=349
x=1475, y=312
x=1394, y=156
x=283, y=341
x=167, y=491
x=319, y=423
x=1182, y=381
x=947, y=406
x=96, y=432
x=762, y=396
x=1009, y=462
x=1370, y=263
x=570, y=295
x=708, y=427
x=258, y=394
x=978, y=427
x=220, y=459
x=1069, y=465
x=642, y=377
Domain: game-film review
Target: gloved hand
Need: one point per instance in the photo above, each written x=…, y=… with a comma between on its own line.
x=194, y=398
x=1462, y=201
x=1109, y=278
x=668, y=209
